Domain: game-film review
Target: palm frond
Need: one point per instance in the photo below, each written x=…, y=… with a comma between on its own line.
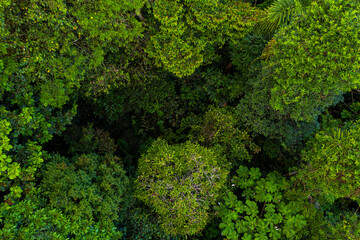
x=339, y=134
x=280, y=13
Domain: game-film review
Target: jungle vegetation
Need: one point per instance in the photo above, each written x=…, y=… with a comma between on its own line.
x=180, y=119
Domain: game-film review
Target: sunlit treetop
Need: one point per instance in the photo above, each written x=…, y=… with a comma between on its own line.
x=316, y=59
x=189, y=31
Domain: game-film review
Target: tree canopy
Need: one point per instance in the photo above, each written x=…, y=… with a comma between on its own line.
x=179, y=119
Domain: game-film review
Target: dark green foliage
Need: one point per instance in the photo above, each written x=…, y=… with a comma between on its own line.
x=351, y=111
x=155, y=98
x=265, y=4
x=336, y=220
x=175, y=99
x=217, y=129
x=89, y=140
x=141, y=225
x=63, y=45
x=342, y=226
x=110, y=106
x=246, y=52
x=212, y=230
x=89, y=186
x=254, y=111
x=139, y=222
x=180, y=183
x=220, y=89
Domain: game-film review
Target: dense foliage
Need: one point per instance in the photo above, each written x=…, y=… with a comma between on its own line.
x=180, y=182
x=180, y=119
x=332, y=164
x=309, y=69
x=264, y=212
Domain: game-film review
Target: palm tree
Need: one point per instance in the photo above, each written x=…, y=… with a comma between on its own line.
x=280, y=13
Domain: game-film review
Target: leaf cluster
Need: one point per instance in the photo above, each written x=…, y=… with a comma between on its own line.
x=180, y=182
x=262, y=210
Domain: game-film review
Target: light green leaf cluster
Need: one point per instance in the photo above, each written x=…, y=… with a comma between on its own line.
x=181, y=57
x=180, y=182
x=315, y=59
x=28, y=220
x=190, y=29
x=332, y=164
x=8, y=168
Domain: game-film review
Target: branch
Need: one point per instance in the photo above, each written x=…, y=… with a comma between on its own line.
x=138, y=13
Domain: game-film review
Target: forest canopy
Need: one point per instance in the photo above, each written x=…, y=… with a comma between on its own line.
x=180, y=119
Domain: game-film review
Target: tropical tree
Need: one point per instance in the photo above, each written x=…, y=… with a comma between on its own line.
x=86, y=187
x=180, y=182
x=312, y=62
x=280, y=13
x=188, y=32
x=30, y=219
x=217, y=129
x=331, y=163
